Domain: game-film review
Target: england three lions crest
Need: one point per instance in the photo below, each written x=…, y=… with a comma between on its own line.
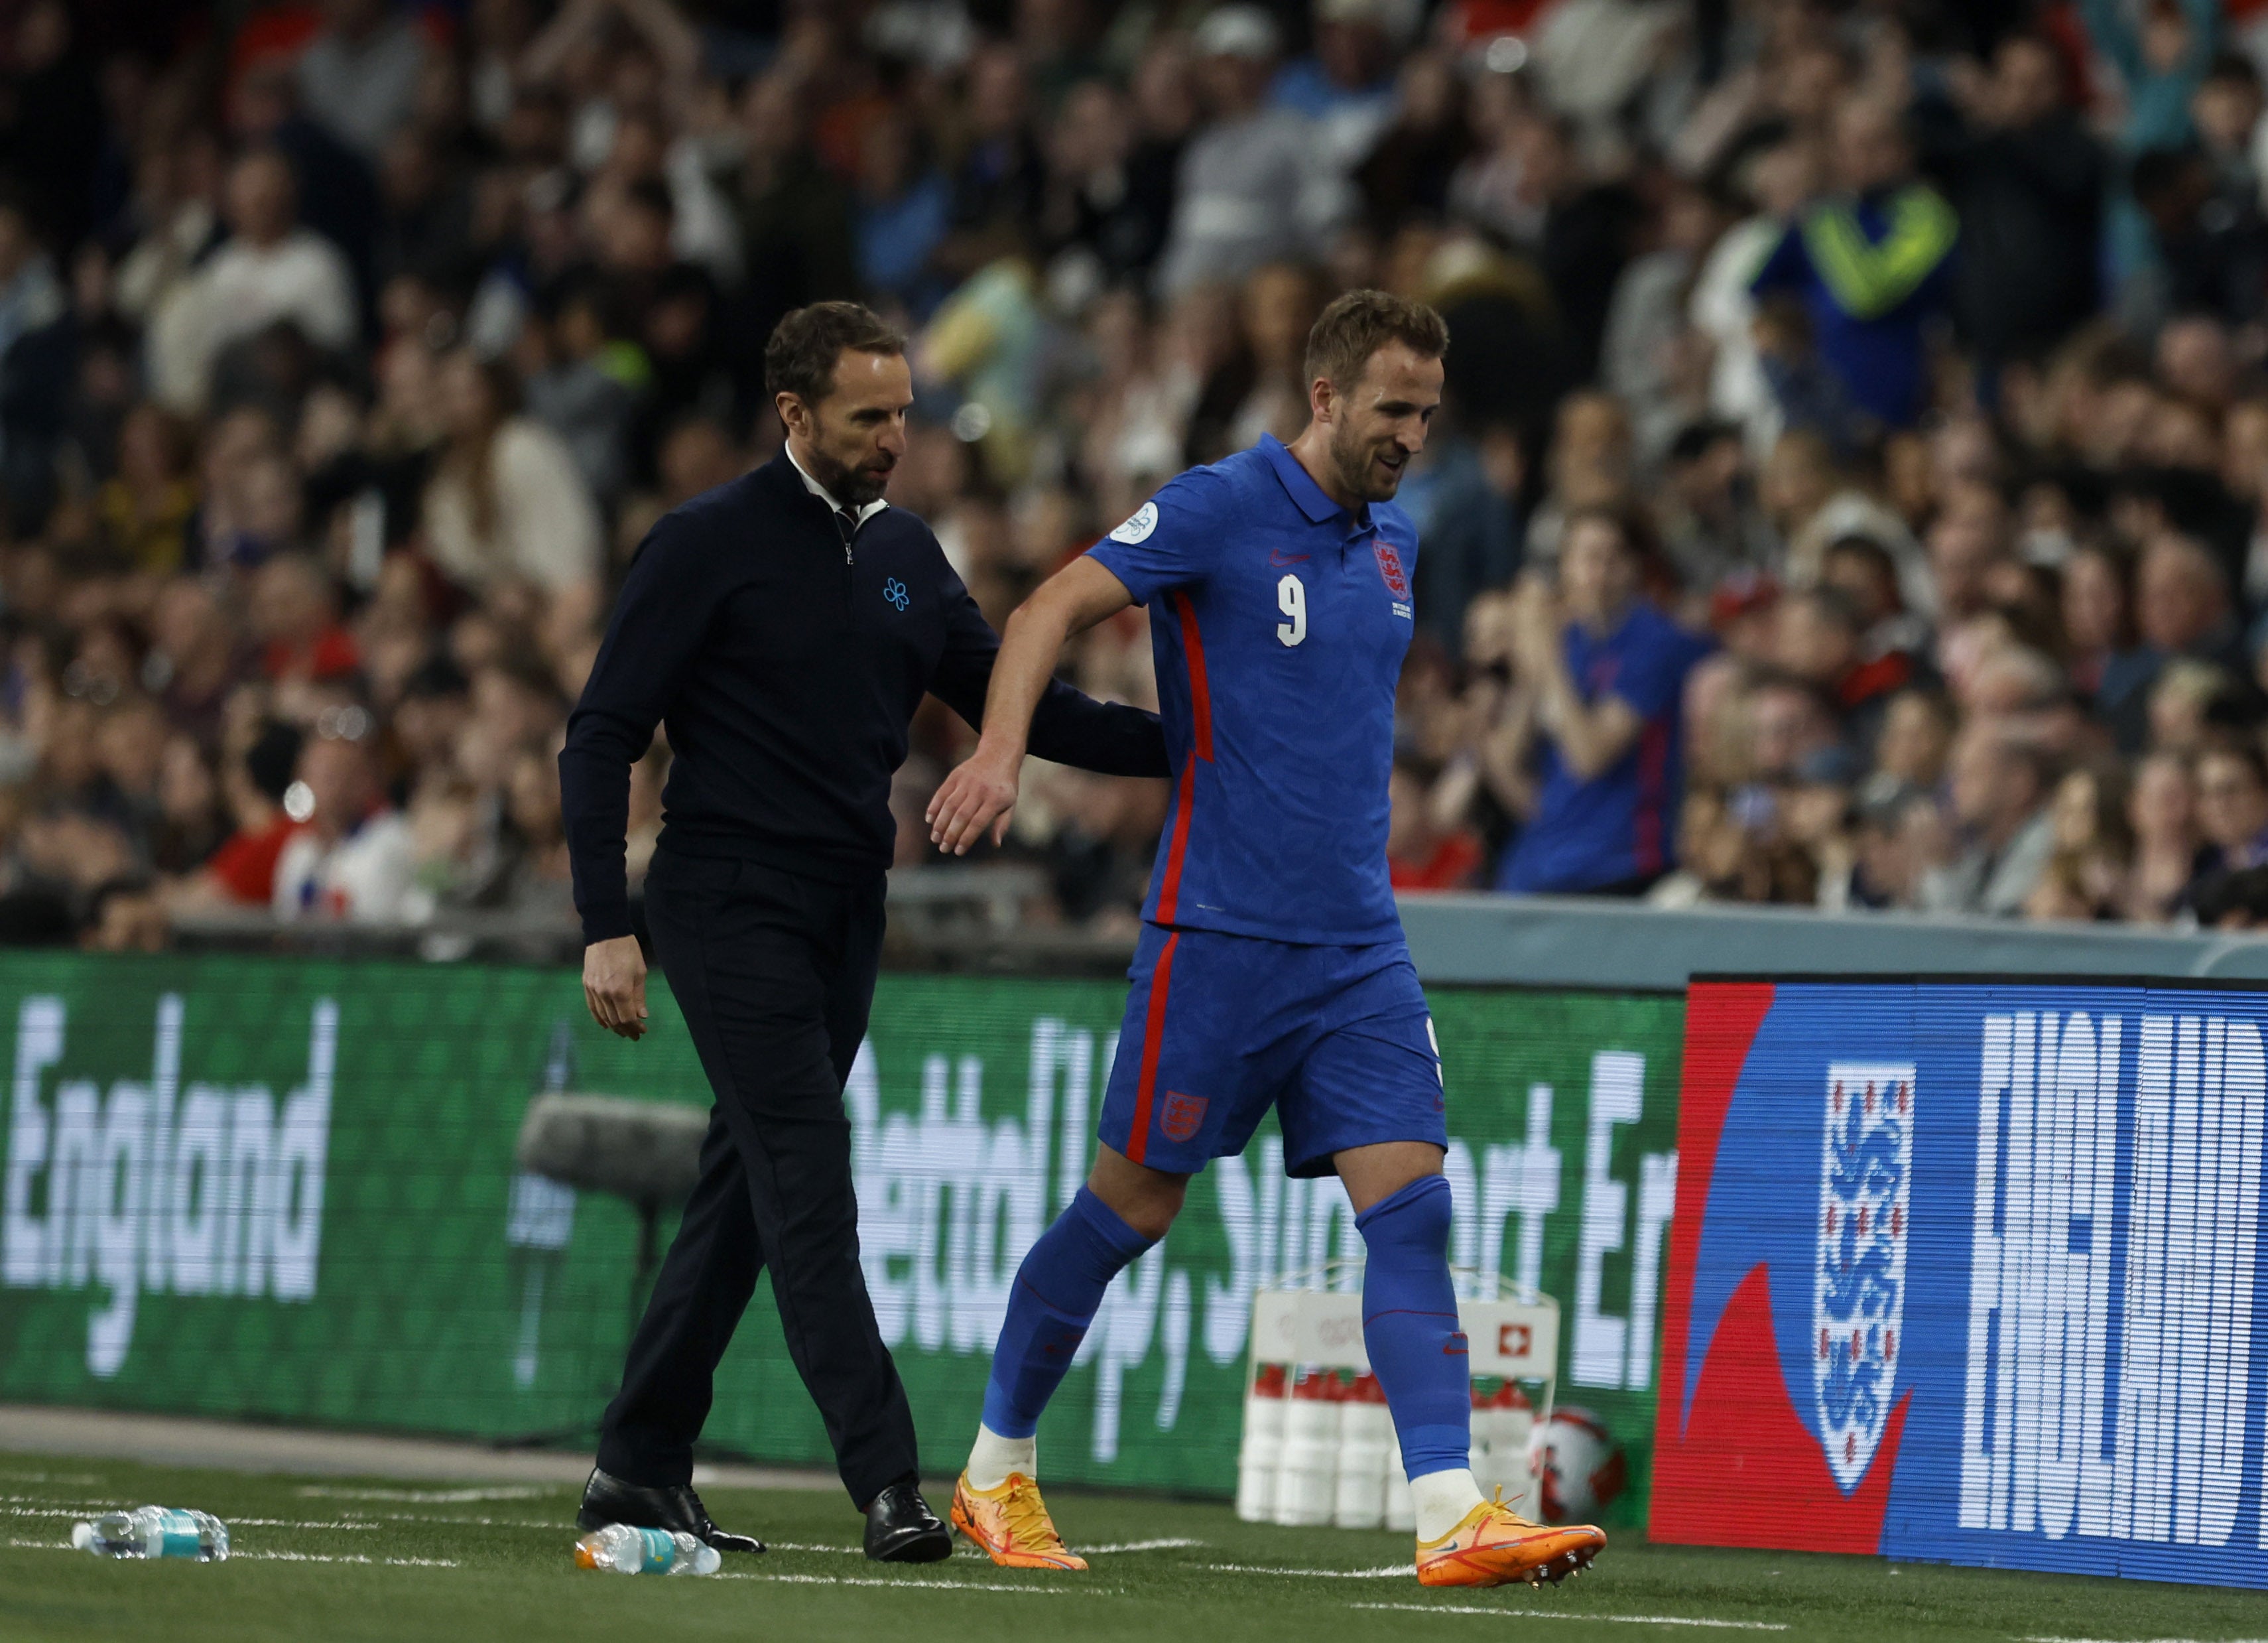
x=1859, y=1283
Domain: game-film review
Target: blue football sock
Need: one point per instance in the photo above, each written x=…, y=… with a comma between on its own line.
x=1409, y=1325
x=1057, y=1290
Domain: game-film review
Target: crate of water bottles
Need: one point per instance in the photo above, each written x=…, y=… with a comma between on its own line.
x=1318, y=1445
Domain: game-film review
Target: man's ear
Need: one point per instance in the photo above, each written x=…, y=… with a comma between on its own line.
x=791, y=407
x=1322, y=399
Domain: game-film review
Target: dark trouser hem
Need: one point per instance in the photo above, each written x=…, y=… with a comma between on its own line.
x=775, y=976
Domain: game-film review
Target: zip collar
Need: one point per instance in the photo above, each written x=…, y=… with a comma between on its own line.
x=858, y=516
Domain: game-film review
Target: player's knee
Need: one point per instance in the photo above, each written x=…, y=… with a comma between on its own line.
x=1414, y=1220
x=1153, y=1208
x=1147, y=1202
x=1146, y=1199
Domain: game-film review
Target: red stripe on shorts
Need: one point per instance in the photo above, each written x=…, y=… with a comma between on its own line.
x=1153, y=1036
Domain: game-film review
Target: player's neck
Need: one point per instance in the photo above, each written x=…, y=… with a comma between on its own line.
x=1312, y=450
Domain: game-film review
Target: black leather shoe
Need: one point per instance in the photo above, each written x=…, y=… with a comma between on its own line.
x=609, y=1499
x=902, y=1529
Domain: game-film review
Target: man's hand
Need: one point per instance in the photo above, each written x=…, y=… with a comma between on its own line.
x=981, y=793
x=614, y=985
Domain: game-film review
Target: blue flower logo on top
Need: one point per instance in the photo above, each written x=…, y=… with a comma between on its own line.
x=1858, y=1287
x=894, y=591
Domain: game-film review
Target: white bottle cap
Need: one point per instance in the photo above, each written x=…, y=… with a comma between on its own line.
x=82, y=1536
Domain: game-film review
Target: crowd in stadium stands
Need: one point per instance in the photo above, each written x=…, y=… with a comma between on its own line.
x=1850, y=491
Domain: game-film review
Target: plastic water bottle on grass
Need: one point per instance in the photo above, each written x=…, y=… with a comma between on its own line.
x=618, y=1549
x=153, y=1532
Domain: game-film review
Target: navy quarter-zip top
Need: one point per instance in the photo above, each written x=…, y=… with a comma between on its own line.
x=785, y=651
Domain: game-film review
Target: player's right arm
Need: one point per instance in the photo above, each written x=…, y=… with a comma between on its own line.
x=1170, y=542
x=982, y=792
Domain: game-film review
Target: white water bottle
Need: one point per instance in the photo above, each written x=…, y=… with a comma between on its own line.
x=1262, y=1454
x=618, y=1549
x=1366, y=1430
x=1401, y=1503
x=153, y=1532
x=1305, y=1482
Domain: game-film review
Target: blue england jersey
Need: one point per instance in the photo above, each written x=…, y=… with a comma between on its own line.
x=1619, y=826
x=1279, y=620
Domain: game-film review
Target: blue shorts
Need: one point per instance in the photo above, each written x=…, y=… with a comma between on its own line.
x=1219, y=1027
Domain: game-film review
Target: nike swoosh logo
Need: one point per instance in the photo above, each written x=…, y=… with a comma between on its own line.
x=1277, y=558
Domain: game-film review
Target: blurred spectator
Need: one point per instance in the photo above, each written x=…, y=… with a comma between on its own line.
x=505, y=502
x=354, y=861
x=360, y=74
x=2161, y=810
x=2232, y=809
x=348, y=349
x=905, y=207
x=295, y=615
x=270, y=270
x=2027, y=181
x=1421, y=853
x=1608, y=674
x=1872, y=267
x=2000, y=787
x=241, y=869
x=147, y=504
x=1250, y=189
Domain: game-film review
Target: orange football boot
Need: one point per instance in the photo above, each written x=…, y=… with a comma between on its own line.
x=1012, y=1524
x=1494, y=1546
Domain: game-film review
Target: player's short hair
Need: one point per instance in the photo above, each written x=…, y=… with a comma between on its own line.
x=1358, y=324
x=804, y=346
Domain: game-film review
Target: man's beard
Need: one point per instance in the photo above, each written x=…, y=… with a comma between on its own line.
x=854, y=487
x=1357, y=472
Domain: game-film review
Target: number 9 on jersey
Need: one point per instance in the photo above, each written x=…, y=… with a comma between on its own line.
x=1291, y=599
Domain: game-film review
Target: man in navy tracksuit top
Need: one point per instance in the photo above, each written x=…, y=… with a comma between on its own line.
x=784, y=628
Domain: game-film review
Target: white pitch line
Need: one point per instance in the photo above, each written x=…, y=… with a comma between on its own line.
x=924, y=1586
x=1136, y=1545
x=433, y=1497
x=273, y=1556
x=1620, y=1620
x=1384, y=1572
x=234, y=1522
x=317, y=1557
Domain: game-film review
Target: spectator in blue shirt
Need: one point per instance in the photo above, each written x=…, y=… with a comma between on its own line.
x=903, y=208
x=1607, y=673
x=1870, y=266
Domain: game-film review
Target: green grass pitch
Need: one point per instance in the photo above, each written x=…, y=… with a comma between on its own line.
x=339, y=1559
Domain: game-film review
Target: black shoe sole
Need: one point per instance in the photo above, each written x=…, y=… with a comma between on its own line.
x=924, y=1545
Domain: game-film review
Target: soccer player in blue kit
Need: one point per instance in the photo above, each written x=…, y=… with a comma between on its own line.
x=1271, y=968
